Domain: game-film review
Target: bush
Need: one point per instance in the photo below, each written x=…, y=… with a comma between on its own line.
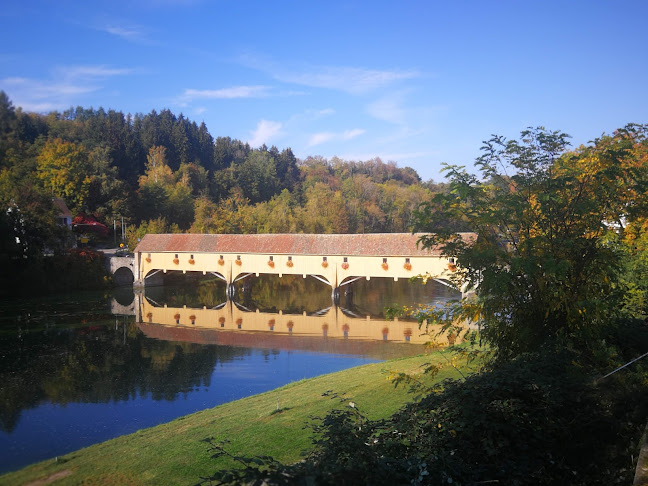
x=539, y=419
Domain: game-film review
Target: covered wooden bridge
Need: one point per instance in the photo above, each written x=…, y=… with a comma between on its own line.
x=336, y=260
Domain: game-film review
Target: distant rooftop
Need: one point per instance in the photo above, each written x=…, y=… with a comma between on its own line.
x=64, y=211
x=378, y=244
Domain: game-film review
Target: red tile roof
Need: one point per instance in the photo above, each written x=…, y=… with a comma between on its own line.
x=63, y=210
x=379, y=244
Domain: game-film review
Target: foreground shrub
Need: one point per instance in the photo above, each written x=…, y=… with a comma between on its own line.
x=540, y=419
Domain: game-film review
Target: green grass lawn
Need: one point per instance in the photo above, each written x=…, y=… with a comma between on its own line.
x=173, y=453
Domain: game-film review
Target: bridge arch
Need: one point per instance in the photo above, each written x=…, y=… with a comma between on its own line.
x=123, y=276
x=122, y=269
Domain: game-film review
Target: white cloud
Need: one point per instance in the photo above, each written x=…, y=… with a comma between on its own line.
x=43, y=89
x=349, y=134
x=354, y=80
x=325, y=112
x=130, y=33
x=388, y=108
x=62, y=90
x=266, y=130
x=126, y=33
x=93, y=71
x=226, y=93
x=200, y=110
x=349, y=79
x=323, y=137
x=319, y=138
x=317, y=114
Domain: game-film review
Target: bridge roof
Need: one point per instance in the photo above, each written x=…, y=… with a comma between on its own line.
x=373, y=244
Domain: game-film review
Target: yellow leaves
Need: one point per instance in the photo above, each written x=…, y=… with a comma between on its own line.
x=64, y=168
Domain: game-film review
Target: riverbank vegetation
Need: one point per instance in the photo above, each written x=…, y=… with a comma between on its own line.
x=270, y=423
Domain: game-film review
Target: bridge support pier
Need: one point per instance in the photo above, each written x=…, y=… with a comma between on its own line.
x=335, y=296
x=231, y=291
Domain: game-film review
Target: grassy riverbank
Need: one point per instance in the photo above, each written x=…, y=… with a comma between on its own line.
x=173, y=454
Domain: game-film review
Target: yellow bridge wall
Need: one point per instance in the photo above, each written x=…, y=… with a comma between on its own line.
x=335, y=271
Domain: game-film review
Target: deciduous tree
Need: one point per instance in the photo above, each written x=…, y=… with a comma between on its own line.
x=546, y=260
x=64, y=169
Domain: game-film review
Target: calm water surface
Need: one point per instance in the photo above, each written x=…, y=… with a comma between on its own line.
x=79, y=369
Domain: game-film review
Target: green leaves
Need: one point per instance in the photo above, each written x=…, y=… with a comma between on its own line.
x=543, y=263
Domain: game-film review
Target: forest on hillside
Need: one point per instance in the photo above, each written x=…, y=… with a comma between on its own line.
x=162, y=172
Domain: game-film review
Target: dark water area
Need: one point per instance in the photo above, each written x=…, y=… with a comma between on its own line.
x=80, y=369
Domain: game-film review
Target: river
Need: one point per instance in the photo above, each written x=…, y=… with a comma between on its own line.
x=83, y=368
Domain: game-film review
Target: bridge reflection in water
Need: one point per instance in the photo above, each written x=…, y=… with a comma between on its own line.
x=331, y=330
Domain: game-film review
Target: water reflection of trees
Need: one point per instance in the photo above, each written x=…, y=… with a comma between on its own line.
x=98, y=364
x=370, y=297
x=192, y=289
x=291, y=294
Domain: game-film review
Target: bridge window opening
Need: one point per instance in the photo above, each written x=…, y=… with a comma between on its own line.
x=346, y=260
x=324, y=259
x=271, y=258
x=290, y=259
x=191, y=257
x=384, y=260
x=221, y=257
x=238, y=257
x=451, y=260
x=407, y=260
x=261, y=293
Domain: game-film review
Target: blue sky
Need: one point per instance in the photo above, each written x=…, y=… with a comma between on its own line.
x=417, y=82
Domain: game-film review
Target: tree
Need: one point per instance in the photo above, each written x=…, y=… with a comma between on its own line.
x=278, y=215
x=195, y=178
x=63, y=167
x=257, y=176
x=161, y=195
x=27, y=218
x=108, y=197
x=545, y=262
x=7, y=122
x=204, y=210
